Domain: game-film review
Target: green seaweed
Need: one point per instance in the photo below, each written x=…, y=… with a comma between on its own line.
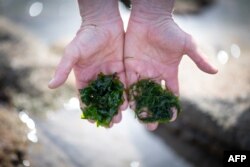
x=102, y=98
x=152, y=102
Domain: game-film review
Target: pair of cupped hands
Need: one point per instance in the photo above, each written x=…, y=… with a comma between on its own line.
x=150, y=48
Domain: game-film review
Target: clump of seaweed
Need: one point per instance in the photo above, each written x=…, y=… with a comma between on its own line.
x=102, y=98
x=152, y=102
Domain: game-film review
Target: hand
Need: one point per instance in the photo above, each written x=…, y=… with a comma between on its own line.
x=154, y=46
x=97, y=47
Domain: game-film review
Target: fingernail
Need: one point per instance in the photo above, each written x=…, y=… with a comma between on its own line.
x=51, y=82
x=215, y=69
x=174, y=115
x=151, y=126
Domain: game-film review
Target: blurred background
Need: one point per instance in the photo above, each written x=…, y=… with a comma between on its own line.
x=42, y=127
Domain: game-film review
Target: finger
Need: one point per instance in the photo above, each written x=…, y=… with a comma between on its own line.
x=132, y=105
x=202, y=62
x=124, y=106
x=174, y=115
x=63, y=69
x=91, y=121
x=171, y=81
x=111, y=125
x=117, y=118
x=199, y=58
x=173, y=85
x=151, y=126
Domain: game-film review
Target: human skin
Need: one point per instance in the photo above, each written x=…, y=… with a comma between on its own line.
x=97, y=47
x=155, y=45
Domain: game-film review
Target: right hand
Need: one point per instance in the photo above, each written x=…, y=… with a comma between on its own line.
x=95, y=48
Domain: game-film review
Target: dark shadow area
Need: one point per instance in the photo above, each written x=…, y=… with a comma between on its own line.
x=127, y=3
x=242, y=130
x=197, y=136
x=184, y=6
x=13, y=80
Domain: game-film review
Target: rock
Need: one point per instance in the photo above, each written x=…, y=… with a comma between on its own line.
x=13, y=141
x=26, y=65
x=191, y=6
x=216, y=108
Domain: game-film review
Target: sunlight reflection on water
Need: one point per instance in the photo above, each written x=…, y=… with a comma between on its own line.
x=32, y=134
x=72, y=104
x=222, y=57
x=134, y=164
x=235, y=51
x=35, y=9
x=26, y=162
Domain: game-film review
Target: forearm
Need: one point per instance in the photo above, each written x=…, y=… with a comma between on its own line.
x=152, y=9
x=98, y=11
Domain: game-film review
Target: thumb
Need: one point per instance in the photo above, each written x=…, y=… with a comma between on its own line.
x=63, y=69
x=198, y=57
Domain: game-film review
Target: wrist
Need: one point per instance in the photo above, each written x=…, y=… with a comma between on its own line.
x=96, y=12
x=151, y=10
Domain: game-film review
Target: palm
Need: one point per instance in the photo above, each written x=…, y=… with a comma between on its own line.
x=99, y=50
x=154, y=51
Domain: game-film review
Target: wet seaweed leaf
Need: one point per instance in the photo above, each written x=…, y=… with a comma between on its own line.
x=152, y=102
x=102, y=98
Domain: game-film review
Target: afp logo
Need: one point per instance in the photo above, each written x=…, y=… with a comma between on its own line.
x=236, y=159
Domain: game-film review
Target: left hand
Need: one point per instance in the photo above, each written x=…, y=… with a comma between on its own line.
x=154, y=49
